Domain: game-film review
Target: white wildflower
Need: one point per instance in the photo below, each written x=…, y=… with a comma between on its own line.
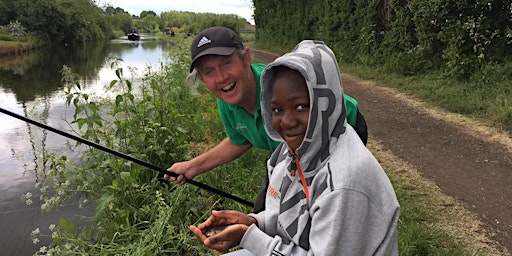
x=43, y=249
x=34, y=235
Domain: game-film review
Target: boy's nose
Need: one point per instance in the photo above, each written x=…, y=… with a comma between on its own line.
x=288, y=120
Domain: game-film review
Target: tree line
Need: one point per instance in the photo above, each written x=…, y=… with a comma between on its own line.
x=409, y=36
x=59, y=22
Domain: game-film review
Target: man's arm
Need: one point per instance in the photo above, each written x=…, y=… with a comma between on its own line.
x=223, y=153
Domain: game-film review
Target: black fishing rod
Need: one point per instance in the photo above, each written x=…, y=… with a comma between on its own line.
x=127, y=157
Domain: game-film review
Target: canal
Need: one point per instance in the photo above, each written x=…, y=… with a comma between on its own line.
x=31, y=86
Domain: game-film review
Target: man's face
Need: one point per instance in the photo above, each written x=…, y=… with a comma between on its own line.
x=227, y=77
x=290, y=107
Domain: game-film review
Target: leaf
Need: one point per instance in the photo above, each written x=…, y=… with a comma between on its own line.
x=181, y=130
x=129, y=84
x=112, y=83
x=125, y=175
x=103, y=203
x=119, y=73
x=119, y=99
x=81, y=122
x=66, y=225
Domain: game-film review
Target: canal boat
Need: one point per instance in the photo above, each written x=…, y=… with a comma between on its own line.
x=133, y=34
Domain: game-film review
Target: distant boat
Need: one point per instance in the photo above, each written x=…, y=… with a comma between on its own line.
x=133, y=35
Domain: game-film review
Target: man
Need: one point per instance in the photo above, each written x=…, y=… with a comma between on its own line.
x=224, y=66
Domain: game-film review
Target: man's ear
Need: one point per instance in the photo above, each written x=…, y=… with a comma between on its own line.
x=248, y=56
x=198, y=75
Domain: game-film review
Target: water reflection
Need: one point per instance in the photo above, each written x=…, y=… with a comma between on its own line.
x=31, y=86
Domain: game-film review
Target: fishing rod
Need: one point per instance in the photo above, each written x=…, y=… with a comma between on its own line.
x=125, y=156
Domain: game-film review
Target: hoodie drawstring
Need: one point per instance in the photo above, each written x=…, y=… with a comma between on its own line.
x=297, y=167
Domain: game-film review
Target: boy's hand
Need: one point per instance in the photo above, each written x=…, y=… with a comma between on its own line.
x=237, y=222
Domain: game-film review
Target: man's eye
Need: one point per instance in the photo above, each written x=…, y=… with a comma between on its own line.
x=208, y=72
x=227, y=63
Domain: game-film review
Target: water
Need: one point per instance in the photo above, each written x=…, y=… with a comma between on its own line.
x=31, y=86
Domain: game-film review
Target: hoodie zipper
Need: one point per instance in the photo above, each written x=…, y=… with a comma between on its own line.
x=295, y=166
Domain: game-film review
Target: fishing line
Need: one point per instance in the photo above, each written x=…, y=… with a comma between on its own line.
x=127, y=157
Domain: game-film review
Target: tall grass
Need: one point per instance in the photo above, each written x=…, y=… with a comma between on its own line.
x=161, y=122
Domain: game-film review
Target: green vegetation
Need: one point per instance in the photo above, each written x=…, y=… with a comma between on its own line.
x=57, y=21
x=452, y=55
x=409, y=37
x=77, y=22
x=161, y=121
x=189, y=22
x=455, y=54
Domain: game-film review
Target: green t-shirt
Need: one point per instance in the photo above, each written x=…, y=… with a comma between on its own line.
x=243, y=128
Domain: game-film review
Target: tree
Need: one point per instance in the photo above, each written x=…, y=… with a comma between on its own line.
x=144, y=14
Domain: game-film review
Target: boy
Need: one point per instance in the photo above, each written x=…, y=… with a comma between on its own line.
x=327, y=195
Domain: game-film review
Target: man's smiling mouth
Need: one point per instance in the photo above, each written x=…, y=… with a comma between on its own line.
x=228, y=87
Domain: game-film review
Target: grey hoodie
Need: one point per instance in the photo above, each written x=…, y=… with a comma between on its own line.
x=351, y=208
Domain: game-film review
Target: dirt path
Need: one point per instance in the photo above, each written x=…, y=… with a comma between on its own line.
x=469, y=162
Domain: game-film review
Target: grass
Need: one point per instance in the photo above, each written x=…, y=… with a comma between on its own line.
x=13, y=48
x=164, y=123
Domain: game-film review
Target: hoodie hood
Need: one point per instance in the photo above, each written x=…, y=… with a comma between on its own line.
x=327, y=120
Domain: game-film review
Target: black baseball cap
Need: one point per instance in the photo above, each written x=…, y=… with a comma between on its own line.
x=214, y=40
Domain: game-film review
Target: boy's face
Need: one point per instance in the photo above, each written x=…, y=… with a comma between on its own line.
x=227, y=77
x=290, y=107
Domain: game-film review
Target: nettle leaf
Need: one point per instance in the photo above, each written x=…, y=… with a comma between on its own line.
x=129, y=84
x=125, y=175
x=66, y=225
x=81, y=122
x=119, y=72
x=112, y=83
x=119, y=99
x=103, y=204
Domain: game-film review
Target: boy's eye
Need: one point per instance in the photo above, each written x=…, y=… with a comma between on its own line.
x=276, y=110
x=302, y=107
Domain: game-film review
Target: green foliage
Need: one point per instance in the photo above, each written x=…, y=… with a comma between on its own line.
x=156, y=120
x=59, y=21
x=143, y=14
x=405, y=36
x=120, y=22
x=189, y=22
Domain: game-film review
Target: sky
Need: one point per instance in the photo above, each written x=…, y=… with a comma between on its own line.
x=242, y=8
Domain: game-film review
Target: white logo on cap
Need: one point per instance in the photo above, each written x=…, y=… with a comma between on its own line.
x=203, y=41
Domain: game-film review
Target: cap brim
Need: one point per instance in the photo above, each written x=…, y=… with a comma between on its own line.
x=212, y=51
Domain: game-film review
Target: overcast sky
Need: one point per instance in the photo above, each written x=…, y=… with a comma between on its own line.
x=242, y=8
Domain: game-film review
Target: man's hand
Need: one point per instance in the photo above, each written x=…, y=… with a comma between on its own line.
x=184, y=170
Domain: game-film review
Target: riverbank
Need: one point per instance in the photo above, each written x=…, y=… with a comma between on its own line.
x=10, y=48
